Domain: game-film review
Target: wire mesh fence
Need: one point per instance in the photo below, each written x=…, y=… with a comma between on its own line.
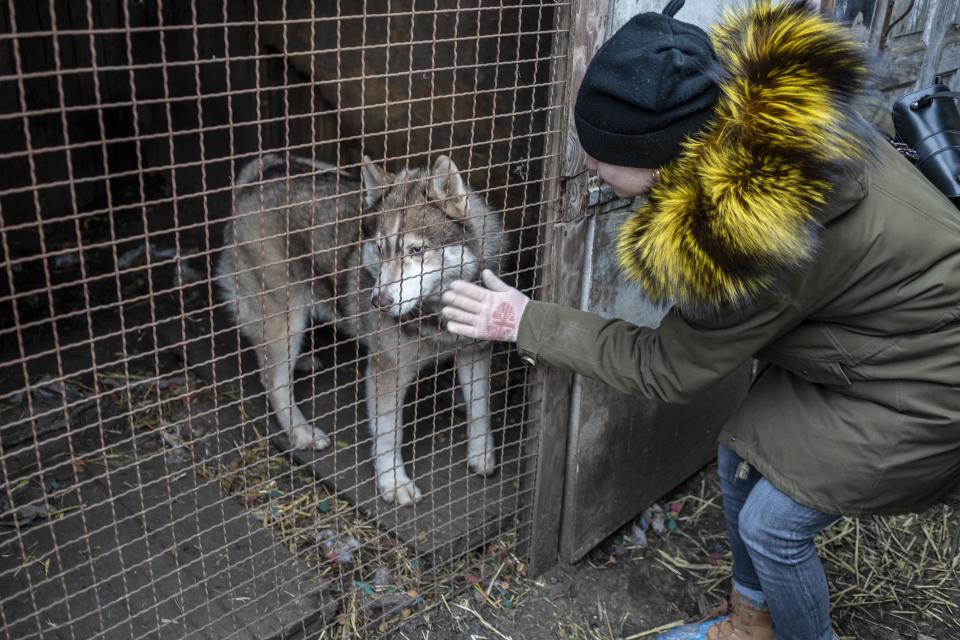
x=228, y=407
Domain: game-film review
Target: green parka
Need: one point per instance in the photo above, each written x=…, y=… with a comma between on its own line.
x=857, y=410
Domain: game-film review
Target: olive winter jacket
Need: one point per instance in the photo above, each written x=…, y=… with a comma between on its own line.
x=837, y=266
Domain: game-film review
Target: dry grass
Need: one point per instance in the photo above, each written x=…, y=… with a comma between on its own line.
x=901, y=570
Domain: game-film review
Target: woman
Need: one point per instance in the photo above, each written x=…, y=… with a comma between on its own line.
x=778, y=226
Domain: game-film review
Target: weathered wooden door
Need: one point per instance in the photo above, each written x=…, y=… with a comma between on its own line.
x=605, y=456
x=619, y=453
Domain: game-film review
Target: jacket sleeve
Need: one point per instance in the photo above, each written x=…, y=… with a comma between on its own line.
x=674, y=362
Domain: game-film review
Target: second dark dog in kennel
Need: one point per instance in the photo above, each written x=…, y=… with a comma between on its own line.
x=308, y=243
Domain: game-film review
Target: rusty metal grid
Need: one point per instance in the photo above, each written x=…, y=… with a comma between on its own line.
x=148, y=486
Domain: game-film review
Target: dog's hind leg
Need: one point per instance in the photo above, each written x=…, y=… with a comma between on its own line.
x=321, y=314
x=283, y=338
x=386, y=385
x=308, y=363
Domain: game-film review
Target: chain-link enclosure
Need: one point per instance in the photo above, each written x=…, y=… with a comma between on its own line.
x=228, y=407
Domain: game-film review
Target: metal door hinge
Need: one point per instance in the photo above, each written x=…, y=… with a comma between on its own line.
x=595, y=190
x=599, y=193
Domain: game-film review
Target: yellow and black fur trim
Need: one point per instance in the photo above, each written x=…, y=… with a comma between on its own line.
x=736, y=212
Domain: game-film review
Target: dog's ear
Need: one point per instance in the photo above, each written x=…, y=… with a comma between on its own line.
x=448, y=188
x=374, y=181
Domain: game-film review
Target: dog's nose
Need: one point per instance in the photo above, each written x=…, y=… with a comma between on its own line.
x=381, y=299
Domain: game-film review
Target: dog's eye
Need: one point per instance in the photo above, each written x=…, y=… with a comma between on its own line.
x=416, y=249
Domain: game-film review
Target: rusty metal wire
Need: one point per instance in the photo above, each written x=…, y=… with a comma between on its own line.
x=147, y=488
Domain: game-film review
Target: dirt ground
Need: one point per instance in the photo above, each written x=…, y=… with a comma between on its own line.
x=621, y=592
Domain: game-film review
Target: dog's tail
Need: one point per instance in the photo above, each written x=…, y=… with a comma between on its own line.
x=256, y=169
x=274, y=165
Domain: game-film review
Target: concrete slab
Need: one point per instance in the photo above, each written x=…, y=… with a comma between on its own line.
x=151, y=550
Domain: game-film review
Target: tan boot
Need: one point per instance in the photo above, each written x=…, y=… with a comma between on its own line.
x=745, y=623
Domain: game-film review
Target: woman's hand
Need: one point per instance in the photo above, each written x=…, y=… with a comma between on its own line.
x=485, y=314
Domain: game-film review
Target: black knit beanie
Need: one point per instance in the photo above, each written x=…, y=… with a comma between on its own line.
x=645, y=90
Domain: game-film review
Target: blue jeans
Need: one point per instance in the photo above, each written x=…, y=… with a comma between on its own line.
x=775, y=562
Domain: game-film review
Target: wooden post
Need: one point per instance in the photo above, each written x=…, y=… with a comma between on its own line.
x=561, y=260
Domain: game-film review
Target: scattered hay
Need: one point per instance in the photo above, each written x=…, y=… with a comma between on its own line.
x=903, y=569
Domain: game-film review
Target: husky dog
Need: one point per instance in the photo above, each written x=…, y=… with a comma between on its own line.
x=307, y=242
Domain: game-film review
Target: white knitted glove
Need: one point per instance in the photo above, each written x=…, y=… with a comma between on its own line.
x=484, y=314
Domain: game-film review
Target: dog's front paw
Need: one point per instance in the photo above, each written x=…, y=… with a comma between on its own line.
x=307, y=437
x=483, y=462
x=400, y=491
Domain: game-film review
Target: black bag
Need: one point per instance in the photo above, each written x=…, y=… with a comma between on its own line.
x=929, y=122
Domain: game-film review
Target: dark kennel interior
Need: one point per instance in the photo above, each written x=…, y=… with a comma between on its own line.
x=146, y=490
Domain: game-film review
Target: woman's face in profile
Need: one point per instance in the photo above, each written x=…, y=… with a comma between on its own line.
x=625, y=181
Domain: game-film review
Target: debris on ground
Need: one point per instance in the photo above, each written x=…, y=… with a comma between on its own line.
x=637, y=537
x=51, y=405
x=25, y=515
x=381, y=578
x=891, y=578
x=176, y=449
x=338, y=547
x=654, y=516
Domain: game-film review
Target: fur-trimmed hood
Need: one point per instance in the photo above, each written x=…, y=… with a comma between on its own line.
x=741, y=208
